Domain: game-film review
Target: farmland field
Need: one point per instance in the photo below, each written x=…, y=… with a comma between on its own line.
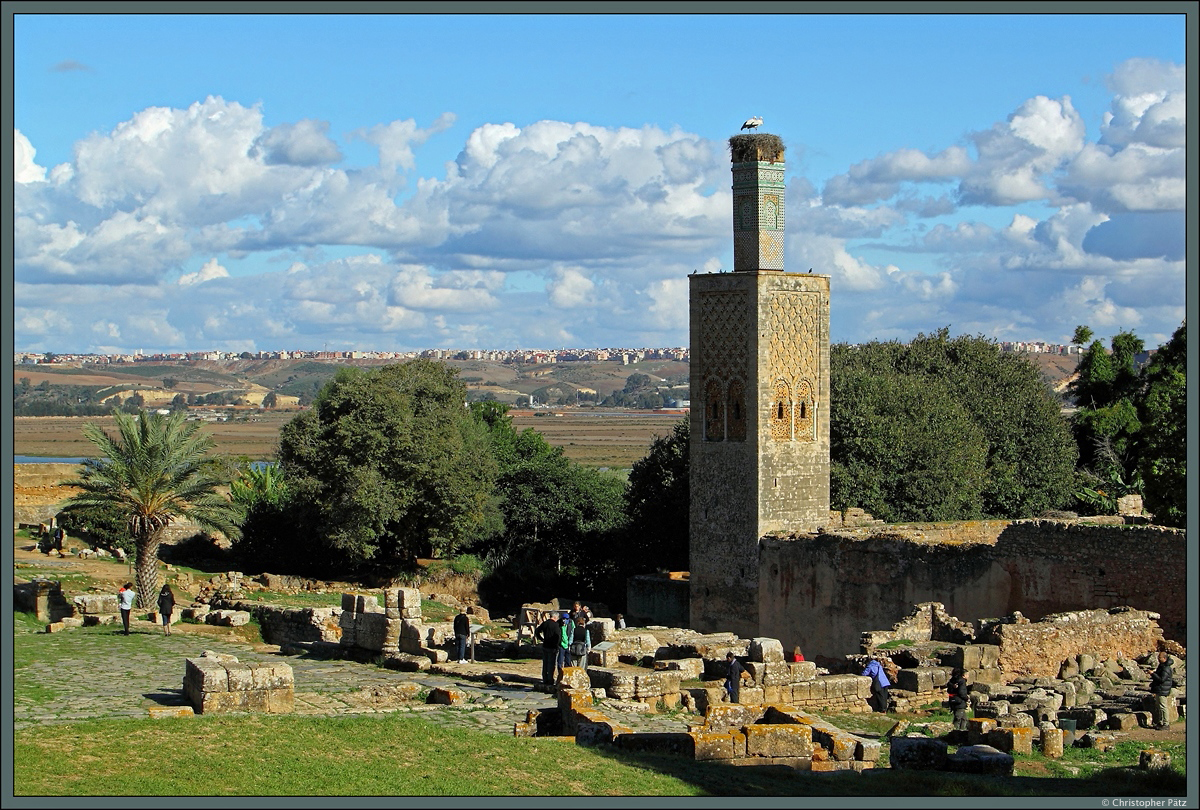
x=594, y=438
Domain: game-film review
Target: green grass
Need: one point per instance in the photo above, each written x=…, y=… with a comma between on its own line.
x=409, y=755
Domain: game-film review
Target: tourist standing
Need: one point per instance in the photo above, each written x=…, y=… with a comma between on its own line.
x=879, y=683
x=125, y=599
x=581, y=642
x=620, y=623
x=1162, y=681
x=550, y=634
x=566, y=631
x=462, y=629
x=959, y=698
x=797, y=656
x=734, y=676
x=166, y=606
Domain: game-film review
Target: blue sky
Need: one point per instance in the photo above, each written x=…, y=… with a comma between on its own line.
x=394, y=181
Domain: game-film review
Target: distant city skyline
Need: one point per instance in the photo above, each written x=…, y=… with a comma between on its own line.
x=250, y=181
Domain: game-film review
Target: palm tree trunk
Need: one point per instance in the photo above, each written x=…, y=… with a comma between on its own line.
x=147, y=570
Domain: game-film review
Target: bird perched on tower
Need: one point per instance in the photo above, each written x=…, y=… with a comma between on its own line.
x=753, y=123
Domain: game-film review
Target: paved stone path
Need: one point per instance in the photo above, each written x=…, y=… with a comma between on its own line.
x=106, y=679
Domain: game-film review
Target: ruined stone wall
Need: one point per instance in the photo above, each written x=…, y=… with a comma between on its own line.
x=820, y=590
x=1038, y=649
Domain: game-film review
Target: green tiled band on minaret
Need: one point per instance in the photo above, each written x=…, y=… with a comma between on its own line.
x=758, y=202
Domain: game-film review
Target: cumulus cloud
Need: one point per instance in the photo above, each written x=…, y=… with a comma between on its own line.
x=208, y=272
x=25, y=170
x=570, y=289
x=304, y=143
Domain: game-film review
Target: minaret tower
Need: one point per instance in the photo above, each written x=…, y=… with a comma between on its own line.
x=760, y=399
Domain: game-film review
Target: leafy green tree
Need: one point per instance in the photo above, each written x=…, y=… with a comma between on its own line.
x=154, y=471
x=1027, y=455
x=389, y=465
x=1082, y=336
x=1162, y=442
x=635, y=381
x=560, y=518
x=103, y=526
x=656, y=504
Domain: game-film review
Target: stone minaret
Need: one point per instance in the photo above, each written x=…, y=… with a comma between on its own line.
x=760, y=399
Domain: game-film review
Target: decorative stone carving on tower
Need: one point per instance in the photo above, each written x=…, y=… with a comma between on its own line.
x=760, y=383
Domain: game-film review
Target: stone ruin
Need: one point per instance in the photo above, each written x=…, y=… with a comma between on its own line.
x=1061, y=681
x=216, y=684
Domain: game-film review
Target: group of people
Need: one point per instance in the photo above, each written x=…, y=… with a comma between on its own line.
x=566, y=641
x=127, y=598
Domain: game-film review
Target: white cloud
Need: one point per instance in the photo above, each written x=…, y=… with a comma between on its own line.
x=208, y=272
x=25, y=170
x=304, y=143
x=570, y=289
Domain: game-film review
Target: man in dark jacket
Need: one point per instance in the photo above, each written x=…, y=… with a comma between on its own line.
x=958, y=698
x=1161, y=684
x=734, y=676
x=462, y=630
x=549, y=632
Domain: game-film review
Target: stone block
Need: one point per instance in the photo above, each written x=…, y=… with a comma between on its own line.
x=1100, y=742
x=205, y=675
x=773, y=694
x=802, y=670
x=709, y=745
x=622, y=686
x=222, y=702
x=775, y=674
x=829, y=766
x=1017, y=740
x=918, y=753
x=991, y=676
x=55, y=627
x=802, y=692
x=778, y=740
x=867, y=750
x=690, y=669
x=1123, y=721
x=916, y=679
x=842, y=746
x=227, y=618
x=1052, y=742
x=766, y=650
x=241, y=677
x=160, y=712
x=447, y=696
x=731, y=715
x=750, y=695
x=1153, y=759
x=408, y=598
x=94, y=619
x=96, y=603
x=980, y=759
x=575, y=678
x=349, y=606
x=989, y=656
x=436, y=656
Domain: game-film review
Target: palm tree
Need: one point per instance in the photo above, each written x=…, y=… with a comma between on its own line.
x=155, y=472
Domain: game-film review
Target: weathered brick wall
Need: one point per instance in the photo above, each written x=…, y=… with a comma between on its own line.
x=820, y=590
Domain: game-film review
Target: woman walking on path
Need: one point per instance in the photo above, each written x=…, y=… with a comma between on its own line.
x=166, y=606
x=125, y=599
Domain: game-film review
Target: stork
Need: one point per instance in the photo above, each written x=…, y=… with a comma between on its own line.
x=753, y=123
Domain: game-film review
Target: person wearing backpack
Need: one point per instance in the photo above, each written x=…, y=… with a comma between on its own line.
x=959, y=698
x=581, y=642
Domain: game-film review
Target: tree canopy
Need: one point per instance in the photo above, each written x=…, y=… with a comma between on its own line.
x=155, y=471
x=389, y=465
x=945, y=429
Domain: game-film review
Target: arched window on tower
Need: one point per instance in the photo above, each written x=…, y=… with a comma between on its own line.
x=714, y=412
x=804, y=412
x=781, y=413
x=736, y=412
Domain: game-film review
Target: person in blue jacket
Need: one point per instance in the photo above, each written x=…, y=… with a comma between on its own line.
x=879, y=683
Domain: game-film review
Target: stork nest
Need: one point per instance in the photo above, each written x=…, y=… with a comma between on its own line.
x=756, y=148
